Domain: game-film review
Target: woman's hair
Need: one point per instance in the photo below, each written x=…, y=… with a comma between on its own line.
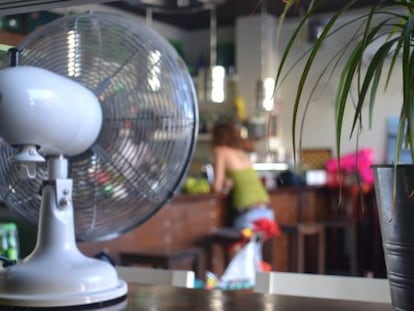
x=226, y=134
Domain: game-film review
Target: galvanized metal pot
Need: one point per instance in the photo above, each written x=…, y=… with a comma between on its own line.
x=396, y=216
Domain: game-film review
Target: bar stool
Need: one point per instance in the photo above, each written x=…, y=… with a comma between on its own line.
x=310, y=229
x=334, y=226
x=221, y=239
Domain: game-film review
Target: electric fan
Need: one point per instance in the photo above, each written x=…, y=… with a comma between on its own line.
x=104, y=103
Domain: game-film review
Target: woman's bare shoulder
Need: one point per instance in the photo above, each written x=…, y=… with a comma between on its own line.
x=222, y=149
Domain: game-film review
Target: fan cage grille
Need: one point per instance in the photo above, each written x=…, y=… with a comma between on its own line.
x=149, y=122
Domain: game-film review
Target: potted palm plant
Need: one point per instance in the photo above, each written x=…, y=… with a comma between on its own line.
x=385, y=30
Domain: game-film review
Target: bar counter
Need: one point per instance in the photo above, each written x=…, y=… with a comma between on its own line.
x=187, y=220
x=182, y=223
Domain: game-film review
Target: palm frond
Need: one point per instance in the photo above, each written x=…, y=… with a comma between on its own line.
x=390, y=27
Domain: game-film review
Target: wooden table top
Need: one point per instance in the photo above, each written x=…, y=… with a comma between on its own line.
x=166, y=298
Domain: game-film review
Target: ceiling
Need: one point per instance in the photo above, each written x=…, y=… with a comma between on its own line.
x=197, y=16
x=10, y=7
x=185, y=14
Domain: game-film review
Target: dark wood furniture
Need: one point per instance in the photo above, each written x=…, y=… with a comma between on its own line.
x=216, y=248
x=305, y=230
x=187, y=220
x=335, y=229
x=143, y=297
x=294, y=205
x=165, y=298
x=189, y=257
x=180, y=225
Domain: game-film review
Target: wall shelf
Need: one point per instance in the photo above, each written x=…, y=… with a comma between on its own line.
x=204, y=137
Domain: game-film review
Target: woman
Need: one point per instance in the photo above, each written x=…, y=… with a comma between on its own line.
x=234, y=171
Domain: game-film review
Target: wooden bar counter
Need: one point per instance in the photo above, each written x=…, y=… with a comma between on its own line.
x=180, y=224
x=294, y=205
x=188, y=219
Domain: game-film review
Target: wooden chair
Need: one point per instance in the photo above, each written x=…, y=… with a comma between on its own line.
x=311, y=229
x=324, y=286
x=143, y=275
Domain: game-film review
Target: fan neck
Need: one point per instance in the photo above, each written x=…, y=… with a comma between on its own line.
x=57, y=167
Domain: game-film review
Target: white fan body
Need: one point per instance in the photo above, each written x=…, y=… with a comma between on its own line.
x=60, y=117
x=98, y=90
x=52, y=112
x=56, y=273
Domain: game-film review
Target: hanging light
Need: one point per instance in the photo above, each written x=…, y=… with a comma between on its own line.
x=215, y=81
x=264, y=94
x=211, y=81
x=154, y=59
x=215, y=84
x=264, y=86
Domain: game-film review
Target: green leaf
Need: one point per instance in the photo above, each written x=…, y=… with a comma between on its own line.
x=373, y=72
x=314, y=51
x=396, y=25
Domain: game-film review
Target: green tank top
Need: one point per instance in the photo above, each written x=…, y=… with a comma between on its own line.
x=247, y=189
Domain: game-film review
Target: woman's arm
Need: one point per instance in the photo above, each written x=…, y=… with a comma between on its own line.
x=219, y=169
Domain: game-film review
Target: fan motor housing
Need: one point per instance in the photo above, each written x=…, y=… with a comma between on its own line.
x=39, y=107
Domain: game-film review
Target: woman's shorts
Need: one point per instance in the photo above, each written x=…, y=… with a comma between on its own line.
x=247, y=218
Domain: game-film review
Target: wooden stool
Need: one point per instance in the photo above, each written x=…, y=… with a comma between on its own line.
x=163, y=259
x=334, y=226
x=311, y=229
x=222, y=238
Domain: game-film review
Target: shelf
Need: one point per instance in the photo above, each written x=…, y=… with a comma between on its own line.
x=204, y=137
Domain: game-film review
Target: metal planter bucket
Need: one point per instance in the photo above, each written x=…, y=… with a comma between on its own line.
x=397, y=229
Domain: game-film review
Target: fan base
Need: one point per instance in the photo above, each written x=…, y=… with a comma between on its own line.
x=62, y=300
x=48, y=280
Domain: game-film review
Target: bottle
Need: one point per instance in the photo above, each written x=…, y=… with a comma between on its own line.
x=3, y=242
x=10, y=241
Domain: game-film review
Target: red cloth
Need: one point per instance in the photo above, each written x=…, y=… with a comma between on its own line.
x=268, y=227
x=265, y=266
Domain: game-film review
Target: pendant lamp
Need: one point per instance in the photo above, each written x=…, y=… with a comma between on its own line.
x=265, y=84
x=215, y=81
